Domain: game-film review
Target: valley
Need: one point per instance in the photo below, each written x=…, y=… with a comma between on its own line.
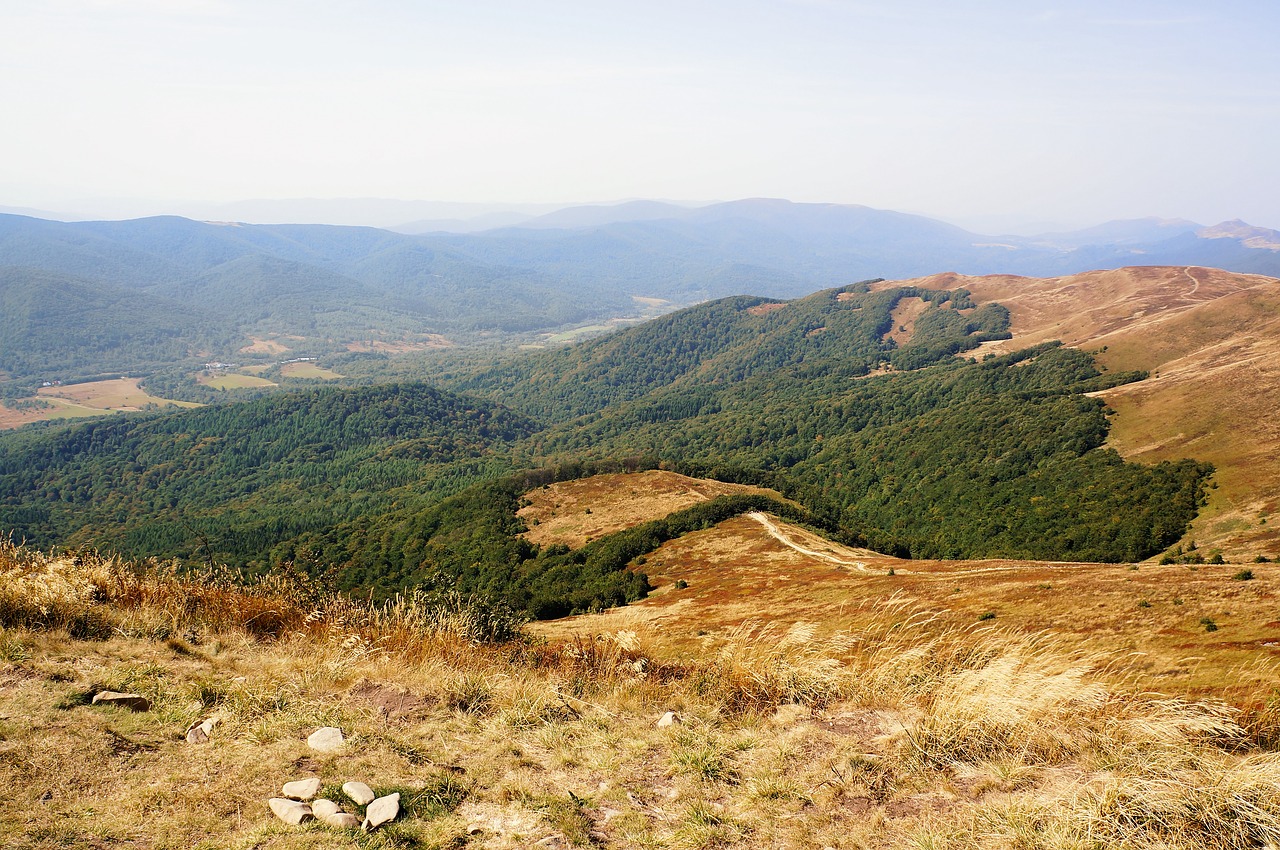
x=884, y=565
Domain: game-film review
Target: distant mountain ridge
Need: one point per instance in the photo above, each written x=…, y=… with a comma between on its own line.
x=332, y=285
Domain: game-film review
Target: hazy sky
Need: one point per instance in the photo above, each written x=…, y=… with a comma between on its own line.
x=1073, y=112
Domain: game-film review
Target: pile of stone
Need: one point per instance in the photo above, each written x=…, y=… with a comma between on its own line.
x=298, y=804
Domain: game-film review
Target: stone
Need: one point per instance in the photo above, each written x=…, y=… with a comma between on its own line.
x=360, y=794
x=342, y=820
x=380, y=811
x=290, y=811
x=668, y=719
x=200, y=731
x=322, y=808
x=301, y=789
x=326, y=739
x=133, y=702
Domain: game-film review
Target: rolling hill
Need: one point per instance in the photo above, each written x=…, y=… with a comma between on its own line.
x=1211, y=343
x=849, y=402
x=342, y=286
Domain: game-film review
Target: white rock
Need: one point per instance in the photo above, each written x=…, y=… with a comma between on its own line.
x=133, y=702
x=322, y=808
x=342, y=820
x=380, y=811
x=201, y=730
x=290, y=811
x=301, y=789
x=326, y=739
x=360, y=794
x=668, y=719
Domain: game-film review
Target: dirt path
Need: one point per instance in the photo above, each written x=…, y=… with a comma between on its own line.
x=782, y=537
x=1195, y=284
x=777, y=534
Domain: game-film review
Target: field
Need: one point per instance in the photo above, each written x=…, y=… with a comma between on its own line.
x=264, y=346
x=308, y=370
x=574, y=512
x=93, y=398
x=232, y=381
x=421, y=342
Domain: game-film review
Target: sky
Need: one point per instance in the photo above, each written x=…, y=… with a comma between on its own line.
x=1006, y=113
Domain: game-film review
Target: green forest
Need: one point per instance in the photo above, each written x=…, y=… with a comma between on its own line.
x=904, y=448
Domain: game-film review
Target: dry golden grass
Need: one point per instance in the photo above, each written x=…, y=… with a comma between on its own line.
x=232, y=380
x=904, y=319
x=1148, y=617
x=573, y=512
x=264, y=346
x=901, y=731
x=308, y=370
x=93, y=398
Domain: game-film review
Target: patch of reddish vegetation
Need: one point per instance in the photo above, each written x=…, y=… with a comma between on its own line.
x=765, y=309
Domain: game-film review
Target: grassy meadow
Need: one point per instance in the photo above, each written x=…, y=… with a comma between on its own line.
x=853, y=721
x=76, y=401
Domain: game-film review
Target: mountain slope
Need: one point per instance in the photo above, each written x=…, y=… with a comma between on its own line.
x=1211, y=340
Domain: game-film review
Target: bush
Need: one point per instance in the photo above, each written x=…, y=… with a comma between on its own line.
x=1244, y=575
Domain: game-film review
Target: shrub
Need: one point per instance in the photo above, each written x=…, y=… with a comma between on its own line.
x=1244, y=575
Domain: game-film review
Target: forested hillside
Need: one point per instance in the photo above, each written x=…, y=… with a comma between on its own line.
x=88, y=298
x=231, y=481
x=849, y=401
x=837, y=331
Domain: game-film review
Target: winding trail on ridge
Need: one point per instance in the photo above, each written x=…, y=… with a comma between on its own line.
x=860, y=566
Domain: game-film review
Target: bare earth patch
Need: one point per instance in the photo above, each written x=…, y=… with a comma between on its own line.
x=765, y=309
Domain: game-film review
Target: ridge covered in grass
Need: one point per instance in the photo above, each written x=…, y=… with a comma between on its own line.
x=899, y=732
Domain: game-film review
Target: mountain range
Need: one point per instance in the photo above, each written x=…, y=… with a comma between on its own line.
x=138, y=295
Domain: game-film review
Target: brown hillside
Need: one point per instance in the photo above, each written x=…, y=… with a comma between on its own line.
x=1211, y=340
x=757, y=569
x=574, y=512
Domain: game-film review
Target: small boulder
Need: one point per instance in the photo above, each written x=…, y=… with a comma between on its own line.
x=133, y=702
x=200, y=731
x=342, y=820
x=668, y=719
x=360, y=794
x=326, y=739
x=322, y=808
x=301, y=789
x=290, y=811
x=380, y=811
